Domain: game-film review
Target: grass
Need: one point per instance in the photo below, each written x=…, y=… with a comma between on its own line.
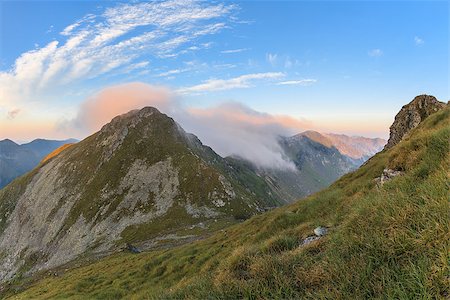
x=389, y=242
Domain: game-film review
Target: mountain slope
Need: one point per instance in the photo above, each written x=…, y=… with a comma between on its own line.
x=16, y=160
x=387, y=239
x=140, y=179
x=356, y=147
x=319, y=160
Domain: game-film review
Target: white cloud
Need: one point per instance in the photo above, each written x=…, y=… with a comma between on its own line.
x=303, y=82
x=272, y=58
x=172, y=72
x=97, y=44
x=375, y=53
x=234, y=50
x=418, y=41
x=243, y=81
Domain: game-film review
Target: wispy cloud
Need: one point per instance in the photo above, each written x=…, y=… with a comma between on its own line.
x=272, y=58
x=118, y=37
x=234, y=50
x=243, y=81
x=303, y=82
x=281, y=60
x=375, y=53
x=418, y=41
x=12, y=114
x=172, y=72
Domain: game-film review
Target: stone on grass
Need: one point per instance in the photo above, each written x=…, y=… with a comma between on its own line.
x=320, y=231
x=309, y=240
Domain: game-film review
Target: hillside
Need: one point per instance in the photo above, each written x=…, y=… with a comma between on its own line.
x=141, y=179
x=319, y=160
x=16, y=160
x=388, y=237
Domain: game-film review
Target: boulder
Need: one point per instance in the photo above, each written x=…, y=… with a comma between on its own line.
x=388, y=174
x=133, y=249
x=410, y=116
x=320, y=231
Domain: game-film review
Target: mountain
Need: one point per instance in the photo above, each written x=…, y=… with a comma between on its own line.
x=410, y=116
x=319, y=160
x=43, y=147
x=356, y=147
x=379, y=232
x=141, y=179
x=16, y=160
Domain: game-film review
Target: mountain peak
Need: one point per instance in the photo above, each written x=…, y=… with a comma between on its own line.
x=355, y=147
x=8, y=142
x=131, y=117
x=411, y=115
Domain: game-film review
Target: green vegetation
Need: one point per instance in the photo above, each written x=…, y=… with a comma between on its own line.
x=389, y=241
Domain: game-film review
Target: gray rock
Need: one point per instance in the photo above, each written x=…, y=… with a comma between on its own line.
x=410, y=117
x=309, y=240
x=133, y=249
x=320, y=231
x=388, y=174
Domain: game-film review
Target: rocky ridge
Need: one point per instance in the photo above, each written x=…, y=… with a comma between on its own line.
x=411, y=115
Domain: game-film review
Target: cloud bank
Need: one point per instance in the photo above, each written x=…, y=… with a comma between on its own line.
x=102, y=107
x=229, y=128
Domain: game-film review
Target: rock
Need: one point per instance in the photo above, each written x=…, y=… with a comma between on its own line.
x=387, y=175
x=320, y=231
x=133, y=249
x=410, y=116
x=309, y=240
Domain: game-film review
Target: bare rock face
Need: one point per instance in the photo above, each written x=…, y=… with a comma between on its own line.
x=410, y=116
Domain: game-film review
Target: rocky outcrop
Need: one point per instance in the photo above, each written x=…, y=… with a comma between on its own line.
x=410, y=116
x=387, y=175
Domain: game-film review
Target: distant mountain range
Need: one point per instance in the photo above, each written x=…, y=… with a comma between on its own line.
x=16, y=160
x=355, y=147
x=319, y=160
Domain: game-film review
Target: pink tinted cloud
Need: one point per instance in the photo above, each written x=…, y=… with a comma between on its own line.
x=110, y=102
x=237, y=112
x=12, y=114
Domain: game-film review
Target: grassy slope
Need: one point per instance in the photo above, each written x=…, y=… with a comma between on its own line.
x=389, y=242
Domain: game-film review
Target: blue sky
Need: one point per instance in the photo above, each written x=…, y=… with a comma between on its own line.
x=340, y=66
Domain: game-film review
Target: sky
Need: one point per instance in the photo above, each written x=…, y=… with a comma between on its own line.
x=333, y=66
